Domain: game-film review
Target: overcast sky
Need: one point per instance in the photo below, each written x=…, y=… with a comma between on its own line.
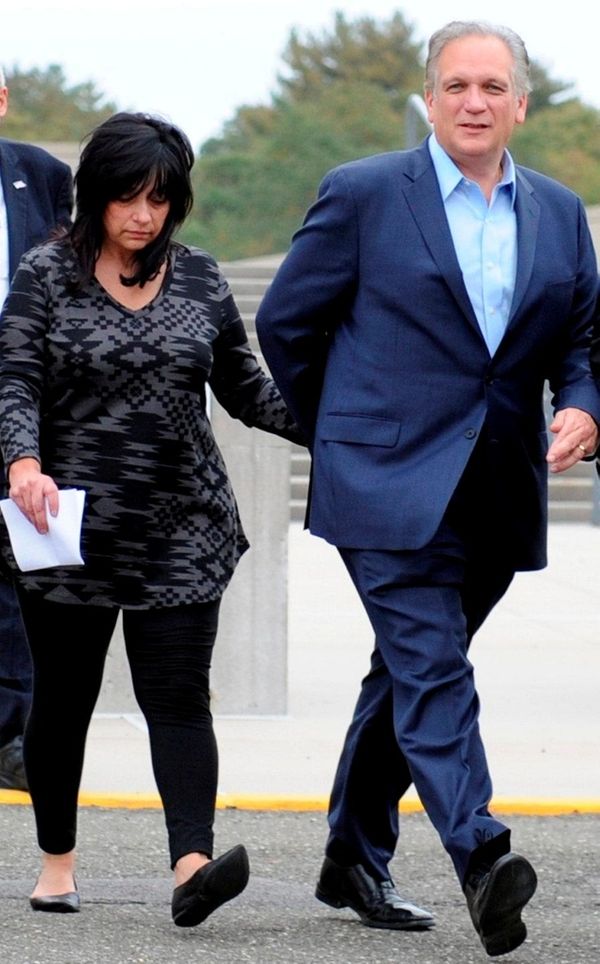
x=195, y=61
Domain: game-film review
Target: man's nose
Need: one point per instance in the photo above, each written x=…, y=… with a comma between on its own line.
x=475, y=99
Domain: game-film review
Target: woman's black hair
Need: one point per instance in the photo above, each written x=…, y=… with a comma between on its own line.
x=122, y=156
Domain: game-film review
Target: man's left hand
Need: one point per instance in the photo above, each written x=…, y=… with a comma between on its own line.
x=576, y=437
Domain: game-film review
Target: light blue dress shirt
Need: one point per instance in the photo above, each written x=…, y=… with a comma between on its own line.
x=485, y=239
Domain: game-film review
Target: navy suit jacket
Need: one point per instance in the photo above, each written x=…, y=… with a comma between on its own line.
x=38, y=195
x=369, y=332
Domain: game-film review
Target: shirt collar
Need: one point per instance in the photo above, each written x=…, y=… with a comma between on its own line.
x=449, y=176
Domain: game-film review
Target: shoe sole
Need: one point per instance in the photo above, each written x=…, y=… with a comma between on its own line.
x=200, y=905
x=54, y=907
x=416, y=925
x=512, y=884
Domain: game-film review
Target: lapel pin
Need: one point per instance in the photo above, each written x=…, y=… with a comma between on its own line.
x=19, y=185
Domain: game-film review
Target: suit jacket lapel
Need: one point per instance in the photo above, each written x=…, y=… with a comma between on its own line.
x=528, y=219
x=16, y=204
x=422, y=194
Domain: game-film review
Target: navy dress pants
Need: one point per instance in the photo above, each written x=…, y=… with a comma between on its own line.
x=416, y=719
x=15, y=667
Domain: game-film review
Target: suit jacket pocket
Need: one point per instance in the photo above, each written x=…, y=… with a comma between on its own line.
x=358, y=429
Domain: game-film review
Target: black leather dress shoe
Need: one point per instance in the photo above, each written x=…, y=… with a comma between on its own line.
x=212, y=885
x=377, y=903
x=496, y=894
x=58, y=903
x=12, y=771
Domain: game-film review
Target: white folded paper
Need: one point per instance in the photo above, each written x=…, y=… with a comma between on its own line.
x=60, y=546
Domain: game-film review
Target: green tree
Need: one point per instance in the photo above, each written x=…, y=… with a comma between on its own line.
x=385, y=54
x=546, y=90
x=564, y=142
x=42, y=107
x=250, y=200
x=342, y=95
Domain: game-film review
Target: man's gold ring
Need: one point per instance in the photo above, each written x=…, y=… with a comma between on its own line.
x=582, y=447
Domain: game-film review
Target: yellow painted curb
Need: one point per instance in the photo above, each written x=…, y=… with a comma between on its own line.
x=544, y=807
x=538, y=807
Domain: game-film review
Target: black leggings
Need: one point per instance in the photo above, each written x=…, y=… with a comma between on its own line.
x=169, y=652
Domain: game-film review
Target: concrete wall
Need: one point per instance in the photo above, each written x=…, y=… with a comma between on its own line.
x=249, y=675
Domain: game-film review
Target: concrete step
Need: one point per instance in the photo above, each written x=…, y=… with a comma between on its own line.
x=262, y=268
x=247, y=304
x=248, y=319
x=297, y=510
x=252, y=287
x=582, y=470
x=565, y=511
x=571, y=490
x=298, y=488
x=300, y=460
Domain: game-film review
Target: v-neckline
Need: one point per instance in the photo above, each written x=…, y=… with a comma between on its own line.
x=149, y=304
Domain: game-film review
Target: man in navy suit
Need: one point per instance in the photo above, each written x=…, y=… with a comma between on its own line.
x=35, y=196
x=424, y=303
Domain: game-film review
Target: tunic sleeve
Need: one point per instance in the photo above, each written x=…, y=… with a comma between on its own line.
x=238, y=381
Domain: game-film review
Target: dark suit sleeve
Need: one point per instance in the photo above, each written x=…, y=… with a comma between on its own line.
x=595, y=356
x=307, y=297
x=595, y=349
x=64, y=197
x=570, y=378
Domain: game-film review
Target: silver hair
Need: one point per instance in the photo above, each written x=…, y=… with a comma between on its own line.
x=480, y=28
x=2, y=77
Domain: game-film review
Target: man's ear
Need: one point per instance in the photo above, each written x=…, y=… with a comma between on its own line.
x=3, y=101
x=521, y=110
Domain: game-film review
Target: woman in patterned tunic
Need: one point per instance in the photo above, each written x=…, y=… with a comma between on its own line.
x=108, y=341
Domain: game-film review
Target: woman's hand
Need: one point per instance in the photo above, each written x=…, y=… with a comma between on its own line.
x=29, y=489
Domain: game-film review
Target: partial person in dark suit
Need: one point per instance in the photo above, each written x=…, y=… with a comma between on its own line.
x=35, y=197
x=411, y=328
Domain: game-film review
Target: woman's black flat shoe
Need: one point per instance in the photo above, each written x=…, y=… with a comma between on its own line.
x=212, y=885
x=57, y=903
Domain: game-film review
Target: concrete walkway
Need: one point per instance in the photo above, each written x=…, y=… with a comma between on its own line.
x=537, y=666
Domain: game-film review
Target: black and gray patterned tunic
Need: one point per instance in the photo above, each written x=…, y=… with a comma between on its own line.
x=112, y=400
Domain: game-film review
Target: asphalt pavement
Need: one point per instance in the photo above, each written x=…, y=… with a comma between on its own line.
x=125, y=890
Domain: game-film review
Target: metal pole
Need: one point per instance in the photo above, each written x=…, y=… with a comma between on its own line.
x=416, y=123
